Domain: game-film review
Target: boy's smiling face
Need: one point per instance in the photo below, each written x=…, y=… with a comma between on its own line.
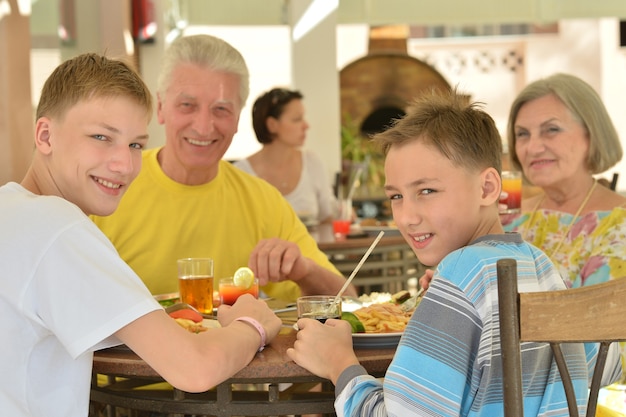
x=93, y=152
x=437, y=206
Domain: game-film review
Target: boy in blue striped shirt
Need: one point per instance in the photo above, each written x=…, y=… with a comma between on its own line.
x=442, y=168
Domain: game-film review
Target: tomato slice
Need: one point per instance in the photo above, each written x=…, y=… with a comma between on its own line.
x=185, y=313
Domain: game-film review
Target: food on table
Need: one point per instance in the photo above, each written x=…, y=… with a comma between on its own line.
x=384, y=297
x=355, y=323
x=400, y=297
x=375, y=298
x=189, y=319
x=192, y=326
x=383, y=318
x=186, y=313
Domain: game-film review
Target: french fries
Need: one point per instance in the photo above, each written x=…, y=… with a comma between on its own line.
x=383, y=318
x=191, y=326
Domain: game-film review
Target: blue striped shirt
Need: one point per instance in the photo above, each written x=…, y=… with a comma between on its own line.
x=448, y=361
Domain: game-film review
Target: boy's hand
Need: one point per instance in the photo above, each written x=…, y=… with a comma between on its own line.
x=324, y=349
x=247, y=305
x=426, y=278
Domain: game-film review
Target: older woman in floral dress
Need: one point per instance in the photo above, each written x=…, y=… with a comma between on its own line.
x=560, y=135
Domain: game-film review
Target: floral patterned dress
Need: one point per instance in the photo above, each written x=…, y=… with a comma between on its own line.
x=592, y=251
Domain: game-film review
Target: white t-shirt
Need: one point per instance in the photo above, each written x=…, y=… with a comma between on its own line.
x=63, y=292
x=313, y=197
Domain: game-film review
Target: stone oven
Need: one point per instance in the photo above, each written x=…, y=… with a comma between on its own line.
x=378, y=87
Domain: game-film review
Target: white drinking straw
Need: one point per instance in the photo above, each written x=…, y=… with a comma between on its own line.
x=352, y=275
x=355, y=180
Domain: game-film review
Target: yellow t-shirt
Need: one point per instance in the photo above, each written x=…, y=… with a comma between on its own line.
x=159, y=221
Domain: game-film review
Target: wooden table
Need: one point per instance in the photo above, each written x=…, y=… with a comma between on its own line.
x=233, y=397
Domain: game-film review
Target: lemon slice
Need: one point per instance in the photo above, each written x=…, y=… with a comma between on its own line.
x=244, y=277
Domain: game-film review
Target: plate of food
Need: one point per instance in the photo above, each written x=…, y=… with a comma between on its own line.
x=378, y=324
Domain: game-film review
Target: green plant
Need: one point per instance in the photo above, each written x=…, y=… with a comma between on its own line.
x=357, y=149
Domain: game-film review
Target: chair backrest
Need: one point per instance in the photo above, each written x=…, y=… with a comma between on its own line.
x=556, y=317
x=613, y=185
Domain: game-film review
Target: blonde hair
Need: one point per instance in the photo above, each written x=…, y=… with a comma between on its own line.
x=88, y=76
x=460, y=130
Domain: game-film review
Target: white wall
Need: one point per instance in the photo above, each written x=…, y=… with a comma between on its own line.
x=588, y=48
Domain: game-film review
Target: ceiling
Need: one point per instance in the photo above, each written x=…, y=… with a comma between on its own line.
x=420, y=12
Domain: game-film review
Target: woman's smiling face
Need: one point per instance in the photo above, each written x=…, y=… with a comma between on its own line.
x=550, y=143
x=435, y=204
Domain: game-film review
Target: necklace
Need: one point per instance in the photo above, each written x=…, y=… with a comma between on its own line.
x=571, y=223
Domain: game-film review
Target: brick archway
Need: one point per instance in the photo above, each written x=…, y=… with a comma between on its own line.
x=383, y=84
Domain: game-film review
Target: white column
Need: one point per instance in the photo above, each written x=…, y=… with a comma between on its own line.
x=315, y=74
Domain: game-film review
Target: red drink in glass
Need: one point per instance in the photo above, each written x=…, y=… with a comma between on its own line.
x=229, y=292
x=511, y=192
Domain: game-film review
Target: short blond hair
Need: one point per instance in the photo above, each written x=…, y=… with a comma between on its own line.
x=89, y=76
x=460, y=130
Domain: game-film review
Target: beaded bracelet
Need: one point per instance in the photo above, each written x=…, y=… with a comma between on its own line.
x=257, y=326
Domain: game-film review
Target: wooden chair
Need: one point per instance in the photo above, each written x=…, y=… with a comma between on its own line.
x=596, y=313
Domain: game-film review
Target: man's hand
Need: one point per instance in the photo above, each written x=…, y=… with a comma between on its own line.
x=275, y=260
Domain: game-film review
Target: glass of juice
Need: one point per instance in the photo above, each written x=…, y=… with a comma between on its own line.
x=195, y=283
x=318, y=307
x=230, y=292
x=341, y=224
x=511, y=196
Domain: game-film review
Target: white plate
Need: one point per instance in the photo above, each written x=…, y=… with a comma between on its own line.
x=375, y=340
x=211, y=323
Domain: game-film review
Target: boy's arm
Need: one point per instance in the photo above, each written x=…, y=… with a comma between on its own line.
x=198, y=362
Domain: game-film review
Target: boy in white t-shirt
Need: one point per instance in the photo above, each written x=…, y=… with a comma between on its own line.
x=65, y=292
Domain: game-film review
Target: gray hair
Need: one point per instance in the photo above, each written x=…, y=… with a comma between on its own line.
x=207, y=51
x=586, y=106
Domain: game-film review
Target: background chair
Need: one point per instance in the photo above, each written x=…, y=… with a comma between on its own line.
x=556, y=317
